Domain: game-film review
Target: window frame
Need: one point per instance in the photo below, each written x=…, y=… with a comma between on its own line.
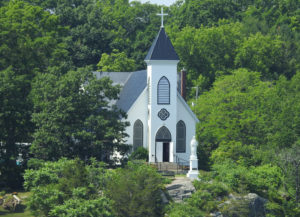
x=183, y=127
x=158, y=92
x=138, y=123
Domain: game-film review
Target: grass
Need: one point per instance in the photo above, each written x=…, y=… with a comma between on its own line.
x=22, y=211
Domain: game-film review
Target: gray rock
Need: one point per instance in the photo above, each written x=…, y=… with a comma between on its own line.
x=256, y=205
x=180, y=189
x=216, y=214
x=252, y=204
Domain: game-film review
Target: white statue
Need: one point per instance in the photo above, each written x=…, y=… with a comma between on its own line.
x=193, y=172
x=194, y=147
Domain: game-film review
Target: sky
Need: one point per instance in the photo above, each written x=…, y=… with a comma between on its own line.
x=159, y=2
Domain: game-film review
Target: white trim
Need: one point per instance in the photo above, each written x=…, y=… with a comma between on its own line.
x=161, y=62
x=187, y=107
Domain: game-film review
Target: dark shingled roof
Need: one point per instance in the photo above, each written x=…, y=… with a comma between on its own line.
x=162, y=48
x=134, y=86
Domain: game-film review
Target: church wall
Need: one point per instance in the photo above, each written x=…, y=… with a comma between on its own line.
x=190, y=123
x=138, y=111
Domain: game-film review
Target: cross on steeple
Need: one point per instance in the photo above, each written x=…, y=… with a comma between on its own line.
x=162, y=16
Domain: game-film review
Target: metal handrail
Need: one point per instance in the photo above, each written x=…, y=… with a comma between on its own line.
x=180, y=162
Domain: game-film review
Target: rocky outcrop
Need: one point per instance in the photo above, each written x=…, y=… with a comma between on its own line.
x=250, y=205
x=180, y=188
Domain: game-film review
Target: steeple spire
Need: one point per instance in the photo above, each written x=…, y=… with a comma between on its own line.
x=162, y=48
x=162, y=17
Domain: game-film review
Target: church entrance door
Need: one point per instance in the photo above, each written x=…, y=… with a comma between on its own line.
x=162, y=139
x=166, y=152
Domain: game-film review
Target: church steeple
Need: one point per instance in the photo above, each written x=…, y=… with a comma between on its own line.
x=162, y=48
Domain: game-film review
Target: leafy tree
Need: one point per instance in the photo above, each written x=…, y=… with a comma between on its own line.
x=208, y=52
x=231, y=111
x=135, y=190
x=98, y=27
x=116, y=62
x=196, y=13
x=74, y=118
x=31, y=41
x=263, y=54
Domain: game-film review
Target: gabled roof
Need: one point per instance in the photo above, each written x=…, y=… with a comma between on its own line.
x=162, y=48
x=134, y=86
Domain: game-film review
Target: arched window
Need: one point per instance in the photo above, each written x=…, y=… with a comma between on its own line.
x=180, y=137
x=163, y=135
x=163, y=91
x=137, y=134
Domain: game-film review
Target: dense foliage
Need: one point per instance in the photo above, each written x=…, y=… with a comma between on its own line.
x=70, y=188
x=242, y=56
x=73, y=117
x=67, y=188
x=136, y=190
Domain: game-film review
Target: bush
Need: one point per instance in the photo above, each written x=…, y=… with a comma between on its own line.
x=203, y=200
x=217, y=189
x=44, y=199
x=83, y=208
x=67, y=188
x=181, y=209
x=135, y=190
x=140, y=154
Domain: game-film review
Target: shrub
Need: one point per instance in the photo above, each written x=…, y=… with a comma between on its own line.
x=135, y=190
x=217, y=189
x=203, y=200
x=182, y=209
x=67, y=188
x=139, y=154
x=83, y=208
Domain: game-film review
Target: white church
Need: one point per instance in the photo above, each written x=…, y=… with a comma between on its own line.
x=154, y=100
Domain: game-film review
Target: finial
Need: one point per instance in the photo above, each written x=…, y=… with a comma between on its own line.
x=162, y=16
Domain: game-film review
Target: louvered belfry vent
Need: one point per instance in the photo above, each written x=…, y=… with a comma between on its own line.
x=163, y=91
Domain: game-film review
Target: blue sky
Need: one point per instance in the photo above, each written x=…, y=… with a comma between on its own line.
x=159, y=2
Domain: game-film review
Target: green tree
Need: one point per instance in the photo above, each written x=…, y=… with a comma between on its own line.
x=31, y=41
x=233, y=111
x=196, y=13
x=116, y=62
x=74, y=118
x=263, y=54
x=98, y=27
x=135, y=190
x=208, y=52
